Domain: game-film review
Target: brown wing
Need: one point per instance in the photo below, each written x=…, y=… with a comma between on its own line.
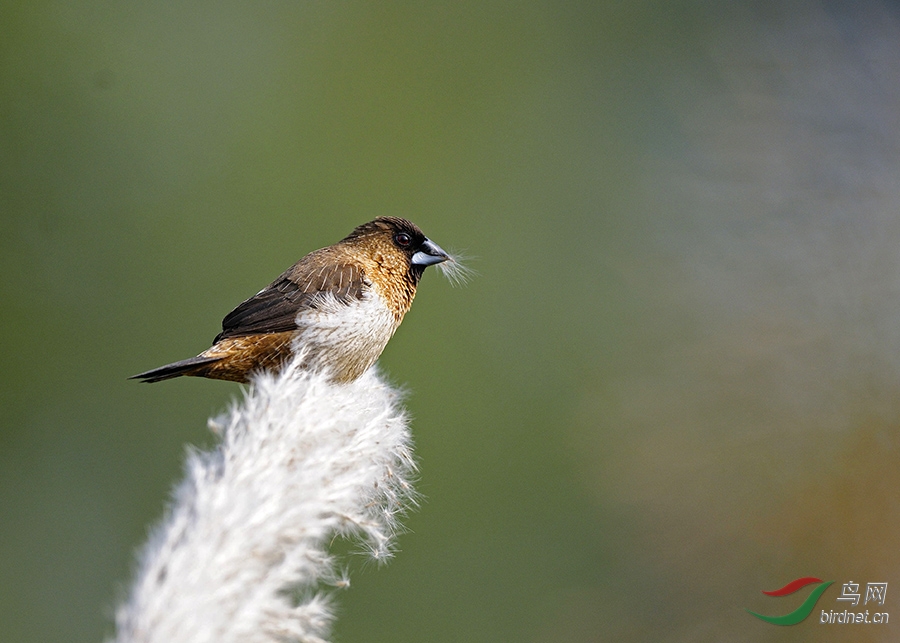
x=275, y=308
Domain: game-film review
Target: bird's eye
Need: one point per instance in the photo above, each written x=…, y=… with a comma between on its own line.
x=402, y=239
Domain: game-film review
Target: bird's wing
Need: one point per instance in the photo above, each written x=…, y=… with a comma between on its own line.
x=305, y=284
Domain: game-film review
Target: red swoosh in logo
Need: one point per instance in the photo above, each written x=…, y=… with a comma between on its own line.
x=793, y=586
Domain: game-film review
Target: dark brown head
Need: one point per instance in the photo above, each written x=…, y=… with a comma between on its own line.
x=397, y=244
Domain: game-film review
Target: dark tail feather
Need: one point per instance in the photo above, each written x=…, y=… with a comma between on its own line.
x=176, y=369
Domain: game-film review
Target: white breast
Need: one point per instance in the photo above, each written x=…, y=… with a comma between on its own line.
x=345, y=338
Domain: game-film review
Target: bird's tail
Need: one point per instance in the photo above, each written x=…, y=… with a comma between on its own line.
x=191, y=366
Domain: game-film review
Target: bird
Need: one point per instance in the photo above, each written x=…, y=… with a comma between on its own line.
x=337, y=307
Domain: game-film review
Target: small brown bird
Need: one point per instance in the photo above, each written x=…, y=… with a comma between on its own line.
x=339, y=305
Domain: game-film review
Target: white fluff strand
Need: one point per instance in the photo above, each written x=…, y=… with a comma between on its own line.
x=243, y=549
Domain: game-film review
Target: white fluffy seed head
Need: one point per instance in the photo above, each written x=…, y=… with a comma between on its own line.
x=242, y=554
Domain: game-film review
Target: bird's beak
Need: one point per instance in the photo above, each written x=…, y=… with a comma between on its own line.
x=429, y=254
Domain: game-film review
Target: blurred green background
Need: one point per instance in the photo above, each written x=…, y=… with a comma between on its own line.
x=673, y=384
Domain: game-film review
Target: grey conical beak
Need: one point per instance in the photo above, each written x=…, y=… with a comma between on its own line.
x=429, y=254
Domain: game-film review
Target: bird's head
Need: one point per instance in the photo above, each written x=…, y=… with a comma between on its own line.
x=397, y=245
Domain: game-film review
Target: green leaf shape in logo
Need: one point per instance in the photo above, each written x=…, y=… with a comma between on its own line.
x=798, y=614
